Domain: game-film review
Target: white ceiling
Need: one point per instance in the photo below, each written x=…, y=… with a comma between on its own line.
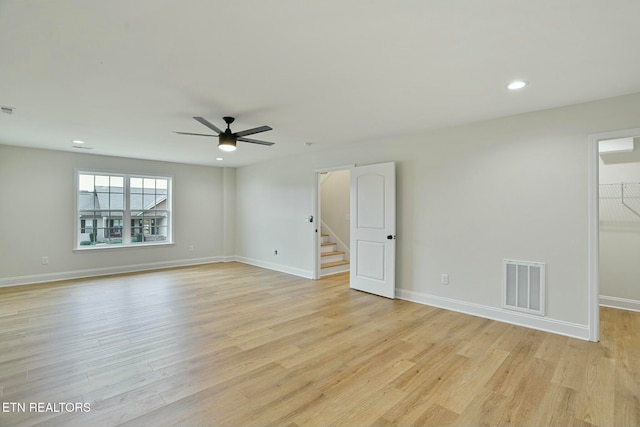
x=122, y=75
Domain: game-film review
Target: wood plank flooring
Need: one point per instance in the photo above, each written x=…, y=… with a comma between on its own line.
x=235, y=345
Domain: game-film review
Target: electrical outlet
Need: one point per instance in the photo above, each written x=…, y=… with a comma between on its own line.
x=444, y=279
x=45, y=260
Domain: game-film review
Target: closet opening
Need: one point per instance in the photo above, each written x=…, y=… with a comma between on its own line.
x=619, y=222
x=614, y=227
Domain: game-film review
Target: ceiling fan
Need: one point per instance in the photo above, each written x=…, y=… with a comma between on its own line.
x=227, y=139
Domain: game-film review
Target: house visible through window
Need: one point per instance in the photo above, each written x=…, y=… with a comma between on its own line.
x=118, y=209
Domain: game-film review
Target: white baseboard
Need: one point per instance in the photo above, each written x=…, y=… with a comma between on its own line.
x=95, y=272
x=573, y=330
x=307, y=274
x=334, y=272
x=522, y=319
x=79, y=274
x=621, y=303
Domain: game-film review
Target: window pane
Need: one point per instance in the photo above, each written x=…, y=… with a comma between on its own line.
x=89, y=215
x=101, y=204
x=116, y=201
x=85, y=182
x=135, y=201
x=136, y=185
x=117, y=184
x=86, y=201
x=136, y=230
x=149, y=201
x=162, y=232
x=102, y=181
x=114, y=230
x=88, y=225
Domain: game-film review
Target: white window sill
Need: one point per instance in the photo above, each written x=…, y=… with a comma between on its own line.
x=90, y=248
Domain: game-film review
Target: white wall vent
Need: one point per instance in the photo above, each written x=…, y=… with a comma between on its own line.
x=523, y=286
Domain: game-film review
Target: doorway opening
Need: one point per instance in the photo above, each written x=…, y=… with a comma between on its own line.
x=614, y=222
x=372, y=230
x=619, y=215
x=332, y=251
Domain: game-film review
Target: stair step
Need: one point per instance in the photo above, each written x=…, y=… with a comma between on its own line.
x=326, y=243
x=334, y=264
x=332, y=256
x=330, y=253
x=328, y=247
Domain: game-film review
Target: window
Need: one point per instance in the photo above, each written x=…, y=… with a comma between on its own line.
x=122, y=210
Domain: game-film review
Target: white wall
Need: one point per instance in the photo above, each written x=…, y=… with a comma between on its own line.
x=335, y=202
x=620, y=241
x=468, y=197
x=271, y=206
x=37, y=216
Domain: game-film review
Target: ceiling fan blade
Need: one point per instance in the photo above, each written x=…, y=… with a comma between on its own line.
x=252, y=131
x=255, y=141
x=208, y=124
x=189, y=133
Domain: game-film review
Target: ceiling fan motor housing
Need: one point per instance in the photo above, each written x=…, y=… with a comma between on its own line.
x=227, y=140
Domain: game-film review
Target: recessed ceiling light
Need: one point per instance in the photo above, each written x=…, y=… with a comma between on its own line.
x=77, y=141
x=219, y=158
x=516, y=84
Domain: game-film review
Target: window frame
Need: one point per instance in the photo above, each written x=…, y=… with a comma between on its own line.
x=125, y=227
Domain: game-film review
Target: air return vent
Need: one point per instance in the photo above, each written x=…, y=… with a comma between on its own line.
x=523, y=286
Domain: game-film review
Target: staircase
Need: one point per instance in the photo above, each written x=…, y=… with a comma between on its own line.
x=332, y=260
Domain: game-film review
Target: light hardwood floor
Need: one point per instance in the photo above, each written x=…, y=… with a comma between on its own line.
x=235, y=345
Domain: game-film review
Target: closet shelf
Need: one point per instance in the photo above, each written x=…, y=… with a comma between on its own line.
x=620, y=203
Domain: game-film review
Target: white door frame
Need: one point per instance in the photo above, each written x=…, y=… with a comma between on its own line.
x=317, y=214
x=594, y=225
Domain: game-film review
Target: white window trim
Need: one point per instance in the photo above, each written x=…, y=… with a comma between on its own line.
x=126, y=217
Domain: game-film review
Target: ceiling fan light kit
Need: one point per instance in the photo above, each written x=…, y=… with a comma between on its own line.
x=227, y=140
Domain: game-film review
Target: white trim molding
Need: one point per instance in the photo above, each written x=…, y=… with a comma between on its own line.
x=560, y=327
x=96, y=272
x=336, y=168
x=307, y=274
x=621, y=303
x=593, y=236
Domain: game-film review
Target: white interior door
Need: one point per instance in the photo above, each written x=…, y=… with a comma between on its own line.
x=373, y=229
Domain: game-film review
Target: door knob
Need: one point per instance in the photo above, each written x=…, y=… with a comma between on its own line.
x=390, y=237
